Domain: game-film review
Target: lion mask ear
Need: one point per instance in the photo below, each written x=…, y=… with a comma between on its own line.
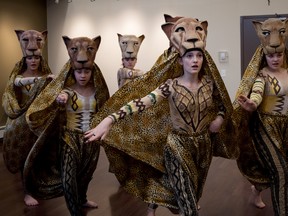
x=272, y=33
x=169, y=18
x=66, y=40
x=19, y=33
x=97, y=41
x=167, y=28
x=31, y=41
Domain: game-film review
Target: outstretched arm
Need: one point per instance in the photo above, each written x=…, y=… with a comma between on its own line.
x=23, y=81
x=100, y=131
x=256, y=96
x=137, y=105
x=246, y=103
x=62, y=98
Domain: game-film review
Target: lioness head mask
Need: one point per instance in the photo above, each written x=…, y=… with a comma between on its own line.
x=31, y=41
x=130, y=45
x=185, y=33
x=82, y=51
x=272, y=34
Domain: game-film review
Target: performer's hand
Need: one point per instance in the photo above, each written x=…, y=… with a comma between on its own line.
x=62, y=98
x=215, y=125
x=100, y=131
x=50, y=76
x=246, y=103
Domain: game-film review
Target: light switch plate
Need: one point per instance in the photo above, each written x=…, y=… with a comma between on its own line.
x=223, y=56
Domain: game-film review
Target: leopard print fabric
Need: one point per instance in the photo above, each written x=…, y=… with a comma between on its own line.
x=139, y=139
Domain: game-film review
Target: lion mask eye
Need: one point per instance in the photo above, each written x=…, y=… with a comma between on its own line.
x=74, y=49
x=266, y=33
x=199, y=28
x=90, y=49
x=180, y=29
x=282, y=31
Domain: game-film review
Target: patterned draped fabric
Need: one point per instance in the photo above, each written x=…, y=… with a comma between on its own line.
x=135, y=144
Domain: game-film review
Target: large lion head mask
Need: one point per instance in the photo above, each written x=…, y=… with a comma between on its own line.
x=185, y=33
x=130, y=45
x=31, y=41
x=82, y=51
x=272, y=34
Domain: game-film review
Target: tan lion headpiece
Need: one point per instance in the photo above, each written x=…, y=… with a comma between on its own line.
x=130, y=45
x=185, y=33
x=31, y=41
x=82, y=50
x=272, y=33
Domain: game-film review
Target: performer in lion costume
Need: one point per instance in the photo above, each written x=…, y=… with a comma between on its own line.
x=28, y=78
x=72, y=116
x=130, y=45
x=135, y=144
x=263, y=132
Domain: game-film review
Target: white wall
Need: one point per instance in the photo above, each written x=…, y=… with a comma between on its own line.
x=109, y=17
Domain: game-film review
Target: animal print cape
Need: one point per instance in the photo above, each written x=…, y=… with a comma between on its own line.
x=135, y=144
